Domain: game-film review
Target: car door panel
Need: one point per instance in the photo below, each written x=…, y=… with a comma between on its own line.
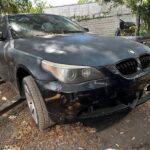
x=4, y=73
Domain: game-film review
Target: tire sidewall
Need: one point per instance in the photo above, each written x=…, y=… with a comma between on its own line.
x=25, y=84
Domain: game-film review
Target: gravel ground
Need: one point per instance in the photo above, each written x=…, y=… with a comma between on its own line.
x=127, y=130
x=6, y=92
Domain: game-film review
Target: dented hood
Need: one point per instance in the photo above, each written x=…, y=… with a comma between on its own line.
x=81, y=49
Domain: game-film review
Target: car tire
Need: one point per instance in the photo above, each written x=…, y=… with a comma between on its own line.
x=36, y=104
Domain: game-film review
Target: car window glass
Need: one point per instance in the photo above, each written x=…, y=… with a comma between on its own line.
x=40, y=25
x=1, y=24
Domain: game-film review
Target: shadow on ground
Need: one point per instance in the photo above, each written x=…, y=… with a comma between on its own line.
x=101, y=123
x=121, y=131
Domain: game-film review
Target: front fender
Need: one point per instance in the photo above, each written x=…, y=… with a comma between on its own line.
x=30, y=63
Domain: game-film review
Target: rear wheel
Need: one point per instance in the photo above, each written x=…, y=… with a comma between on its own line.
x=36, y=104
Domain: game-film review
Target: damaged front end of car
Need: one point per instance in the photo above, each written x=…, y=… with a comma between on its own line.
x=111, y=89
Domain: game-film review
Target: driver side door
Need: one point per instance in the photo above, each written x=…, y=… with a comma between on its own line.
x=4, y=72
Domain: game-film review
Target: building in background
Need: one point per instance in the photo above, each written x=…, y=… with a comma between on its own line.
x=99, y=18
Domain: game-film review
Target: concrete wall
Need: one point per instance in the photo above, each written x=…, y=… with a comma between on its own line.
x=105, y=26
x=108, y=18
x=89, y=9
x=77, y=10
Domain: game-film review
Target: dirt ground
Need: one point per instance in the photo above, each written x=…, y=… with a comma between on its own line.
x=123, y=131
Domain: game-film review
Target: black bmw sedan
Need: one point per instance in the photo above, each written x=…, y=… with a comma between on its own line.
x=66, y=73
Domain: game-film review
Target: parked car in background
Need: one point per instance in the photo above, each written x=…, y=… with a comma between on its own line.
x=126, y=28
x=128, y=31
x=68, y=74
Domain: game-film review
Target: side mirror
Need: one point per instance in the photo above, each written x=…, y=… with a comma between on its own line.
x=1, y=35
x=86, y=29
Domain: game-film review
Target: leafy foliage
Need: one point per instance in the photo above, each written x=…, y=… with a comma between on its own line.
x=85, y=1
x=8, y=6
x=136, y=6
x=21, y=6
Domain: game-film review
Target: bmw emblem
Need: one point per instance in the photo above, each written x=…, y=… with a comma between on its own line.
x=131, y=51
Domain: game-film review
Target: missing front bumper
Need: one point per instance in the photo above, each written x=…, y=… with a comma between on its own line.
x=95, y=98
x=101, y=112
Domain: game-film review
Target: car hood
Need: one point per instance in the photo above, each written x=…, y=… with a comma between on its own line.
x=81, y=49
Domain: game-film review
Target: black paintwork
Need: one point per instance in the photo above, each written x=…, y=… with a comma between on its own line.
x=81, y=49
x=84, y=49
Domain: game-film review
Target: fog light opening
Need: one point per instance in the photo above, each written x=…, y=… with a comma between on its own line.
x=148, y=88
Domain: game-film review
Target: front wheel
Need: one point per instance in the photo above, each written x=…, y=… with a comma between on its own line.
x=36, y=104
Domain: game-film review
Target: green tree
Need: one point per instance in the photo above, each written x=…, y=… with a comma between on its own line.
x=21, y=6
x=85, y=1
x=8, y=6
x=24, y=6
x=141, y=7
x=39, y=6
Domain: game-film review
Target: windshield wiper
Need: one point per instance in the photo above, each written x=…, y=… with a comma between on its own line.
x=65, y=31
x=59, y=32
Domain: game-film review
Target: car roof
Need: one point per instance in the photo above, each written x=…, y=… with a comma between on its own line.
x=32, y=14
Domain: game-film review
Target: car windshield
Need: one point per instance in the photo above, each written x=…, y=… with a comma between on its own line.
x=42, y=25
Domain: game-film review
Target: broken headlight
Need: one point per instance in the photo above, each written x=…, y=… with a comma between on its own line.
x=71, y=73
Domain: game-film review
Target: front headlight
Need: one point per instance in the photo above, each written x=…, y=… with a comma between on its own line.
x=71, y=73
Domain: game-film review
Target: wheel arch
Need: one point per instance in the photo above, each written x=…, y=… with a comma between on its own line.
x=21, y=72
